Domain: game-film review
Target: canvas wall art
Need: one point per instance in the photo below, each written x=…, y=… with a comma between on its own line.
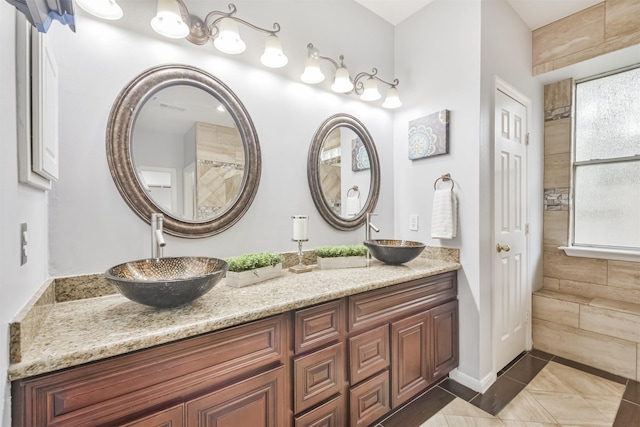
x=359, y=156
x=429, y=135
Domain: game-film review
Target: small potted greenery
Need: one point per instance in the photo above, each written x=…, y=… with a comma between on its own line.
x=248, y=269
x=341, y=256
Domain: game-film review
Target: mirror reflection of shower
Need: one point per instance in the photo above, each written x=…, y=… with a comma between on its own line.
x=188, y=131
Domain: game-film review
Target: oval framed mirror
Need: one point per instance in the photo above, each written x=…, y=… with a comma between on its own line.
x=181, y=143
x=343, y=172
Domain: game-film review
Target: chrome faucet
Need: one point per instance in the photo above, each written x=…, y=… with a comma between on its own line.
x=157, y=238
x=369, y=226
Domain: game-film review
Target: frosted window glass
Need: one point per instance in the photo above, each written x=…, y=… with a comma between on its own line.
x=607, y=205
x=608, y=116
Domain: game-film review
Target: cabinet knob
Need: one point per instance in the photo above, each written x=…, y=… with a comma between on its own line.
x=503, y=248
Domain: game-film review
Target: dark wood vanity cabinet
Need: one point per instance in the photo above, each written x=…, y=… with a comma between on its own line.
x=398, y=341
x=238, y=372
x=346, y=362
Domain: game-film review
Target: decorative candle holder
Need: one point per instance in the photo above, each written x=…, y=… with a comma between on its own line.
x=300, y=226
x=300, y=268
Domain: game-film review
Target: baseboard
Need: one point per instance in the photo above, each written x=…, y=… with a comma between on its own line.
x=479, y=385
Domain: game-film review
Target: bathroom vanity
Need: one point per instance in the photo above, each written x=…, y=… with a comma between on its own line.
x=339, y=347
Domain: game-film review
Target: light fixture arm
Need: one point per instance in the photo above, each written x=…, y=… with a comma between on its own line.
x=212, y=27
x=359, y=86
x=314, y=52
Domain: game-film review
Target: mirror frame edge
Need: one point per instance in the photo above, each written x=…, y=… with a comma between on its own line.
x=313, y=173
x=118, y=144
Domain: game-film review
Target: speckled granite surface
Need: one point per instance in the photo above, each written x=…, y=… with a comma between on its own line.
x=81, y=331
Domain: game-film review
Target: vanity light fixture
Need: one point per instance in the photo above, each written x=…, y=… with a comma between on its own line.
x=342, y=83
x=105, y=9
x=221, y=27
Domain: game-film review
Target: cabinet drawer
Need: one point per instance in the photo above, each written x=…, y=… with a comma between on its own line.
x=382, y=305
x=369, y=400
x=318, y=326
x=113, y=390
x=318, y=376
x=368, y=353
x=172, y=417
x=258, y=401
x=330, y=414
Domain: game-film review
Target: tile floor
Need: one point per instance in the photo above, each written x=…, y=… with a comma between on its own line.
x=535, y=390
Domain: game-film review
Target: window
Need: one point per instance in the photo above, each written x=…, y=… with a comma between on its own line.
x=606, y=162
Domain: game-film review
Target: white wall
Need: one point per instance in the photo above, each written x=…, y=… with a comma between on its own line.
x=91, y=227
x=461, y=46
x=506, y=54
x=18, y=204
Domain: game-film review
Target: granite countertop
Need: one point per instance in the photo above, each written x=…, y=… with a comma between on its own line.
x=81, y=331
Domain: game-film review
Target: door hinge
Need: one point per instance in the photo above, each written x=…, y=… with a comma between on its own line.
x=526, y=229
x=528, y=317
x=526, y=139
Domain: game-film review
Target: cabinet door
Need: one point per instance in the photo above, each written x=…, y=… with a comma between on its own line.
x=172, y=417
x=410, y=357
x=444, y=323
x=258, y=401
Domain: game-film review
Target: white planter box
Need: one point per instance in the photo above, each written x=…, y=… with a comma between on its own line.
x=342, y=262
x=246, y=278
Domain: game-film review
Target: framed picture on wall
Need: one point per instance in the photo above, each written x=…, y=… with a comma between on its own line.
x=429, y=135
x=359, y=156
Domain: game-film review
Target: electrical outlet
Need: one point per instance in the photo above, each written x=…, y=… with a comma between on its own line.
x=23, y=243
x=413, y=222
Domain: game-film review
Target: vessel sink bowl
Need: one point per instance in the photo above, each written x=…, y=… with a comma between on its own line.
x=166, y=282
x=394, y=251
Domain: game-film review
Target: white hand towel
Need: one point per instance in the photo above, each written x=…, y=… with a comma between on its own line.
x=444, y=215
x=353, y=206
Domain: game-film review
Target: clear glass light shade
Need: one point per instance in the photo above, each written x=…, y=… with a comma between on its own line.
x=393, y=99
x=273, y=57
x=312, y=73
x=342, y=82
x=228, y=39
x=370, y=92
x=105, y=9
x=168, y=20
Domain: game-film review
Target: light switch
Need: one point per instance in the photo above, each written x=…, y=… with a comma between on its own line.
x=413, y=222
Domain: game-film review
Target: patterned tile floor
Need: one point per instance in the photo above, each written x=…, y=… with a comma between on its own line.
x=535, y=390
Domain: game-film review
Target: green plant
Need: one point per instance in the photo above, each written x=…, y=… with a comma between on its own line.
x=341, y=251
x=252, y=261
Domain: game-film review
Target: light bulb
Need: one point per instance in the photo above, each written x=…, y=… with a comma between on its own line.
x=228, y=39
x=168, y=20
x=273, y=57
x=105, y=9
x=393, y=99
x=312, y=73
x=342, y=82
x=370, y=92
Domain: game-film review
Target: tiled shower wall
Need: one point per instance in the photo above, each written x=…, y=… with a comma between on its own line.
x=589, y=309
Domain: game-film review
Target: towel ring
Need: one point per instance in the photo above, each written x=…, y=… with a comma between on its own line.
x=355, y=190
x=446, y=177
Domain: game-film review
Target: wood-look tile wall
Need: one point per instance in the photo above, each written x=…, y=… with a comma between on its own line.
x=588, y=309
x=600, y=29
x=593, y=278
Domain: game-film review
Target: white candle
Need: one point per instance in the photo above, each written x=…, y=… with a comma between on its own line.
x=300, y=224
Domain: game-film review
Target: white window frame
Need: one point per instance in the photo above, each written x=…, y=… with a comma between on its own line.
x=584, y=251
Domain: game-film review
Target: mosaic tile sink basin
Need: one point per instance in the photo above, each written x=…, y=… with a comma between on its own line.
x=166, y=282
x=394, y=251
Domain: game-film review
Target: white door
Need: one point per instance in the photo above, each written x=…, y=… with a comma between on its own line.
x=510, y=288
